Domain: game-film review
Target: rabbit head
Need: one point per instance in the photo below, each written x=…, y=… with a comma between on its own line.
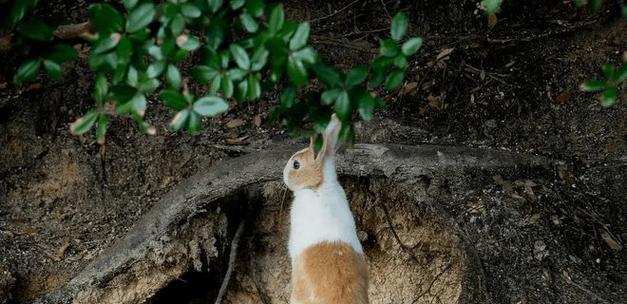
x=305, y=169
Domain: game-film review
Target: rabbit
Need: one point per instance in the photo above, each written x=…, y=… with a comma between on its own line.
x=328, y=263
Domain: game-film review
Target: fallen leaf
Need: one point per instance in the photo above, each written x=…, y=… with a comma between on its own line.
x=444, y=53
x=435, y=102
x=234, y=123
x=611, y=242
x=562, y=98
x=60, y=252
x=236, y=141
x=492, y=19
x=34, y=86
x=257, y=120
x=409, y=89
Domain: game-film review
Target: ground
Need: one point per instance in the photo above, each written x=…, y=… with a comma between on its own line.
x=64, y=199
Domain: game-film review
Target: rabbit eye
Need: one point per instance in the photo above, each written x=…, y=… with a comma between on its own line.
x=296, y=165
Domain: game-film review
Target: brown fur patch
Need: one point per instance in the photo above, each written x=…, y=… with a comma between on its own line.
x=309, y=174
x=330, y=273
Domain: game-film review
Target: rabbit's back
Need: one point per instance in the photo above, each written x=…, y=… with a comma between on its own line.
x=329, y=273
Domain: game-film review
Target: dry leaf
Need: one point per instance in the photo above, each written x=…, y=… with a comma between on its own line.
x=409, y=89
x=611, y=242
x=236, y=141
x=445, y=53
x=492, y=19
x=257, y=120
x=435, y=102
x=60, y=252
x=234, y=123
x=562, y=98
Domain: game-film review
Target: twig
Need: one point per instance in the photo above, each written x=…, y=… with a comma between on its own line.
x=398, y=239
x=334, y=13
x=432, y=282
x=344, y=45
x=530, y=38
x=232, y=257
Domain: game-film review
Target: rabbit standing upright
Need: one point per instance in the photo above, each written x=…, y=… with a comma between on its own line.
x=328, y=264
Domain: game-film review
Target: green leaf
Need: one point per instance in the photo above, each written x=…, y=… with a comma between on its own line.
x=608, y=71
x=592, y=86
x=194, y=123
x=177, y=25
x=343, y=105
x=203, y=73
x=101, y=129
x=140, y=17
x=609, y=97
x=328, y=97
x=83, y=124
x=155, y=69
x=307, y=55
x=188, y=43
x=288, y=97
x=53, y=69
x=173, y=76
x=296, y=71
x=235, y=4
x=173, y=99
x=105, y=19
x=621, y=74
x=242, y=90
x=277, y=17
x=328, y=75
x=240, y=56
x=595, y=5
x=227, y=86
x=236, y=74
x=399, y=26
x=189, y=10
x=400, y=61
x=123, y=92
x=61, y=53
x=299, y=40
x=130, y=4
x=148, y=85
x=394, y=80
x=378, y=76
x=215, y=85
x=215, y=5
x=248, y=22
x=255, y=7
x=101, y=87
x=366, y=106
x=106, y=44
x=19, y=9
x=155, y=52
x=357, y=75
x=491, y=6
x=179, y=120
x=124, y=50
x=27, y=71
x=254, y=87
x=36, y=29
x=411, y=46
x=210, y=106
x=259, y=59
x=132, y=77
x=388, y=48
x=136, y=105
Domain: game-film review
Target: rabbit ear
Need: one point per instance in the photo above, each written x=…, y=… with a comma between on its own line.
x=330, y=137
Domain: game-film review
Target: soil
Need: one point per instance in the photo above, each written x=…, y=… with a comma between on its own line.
x=553, y=236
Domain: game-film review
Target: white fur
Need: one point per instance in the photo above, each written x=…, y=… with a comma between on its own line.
x=322, y=215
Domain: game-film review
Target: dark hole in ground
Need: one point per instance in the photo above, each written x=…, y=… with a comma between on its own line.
x=192, y=287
